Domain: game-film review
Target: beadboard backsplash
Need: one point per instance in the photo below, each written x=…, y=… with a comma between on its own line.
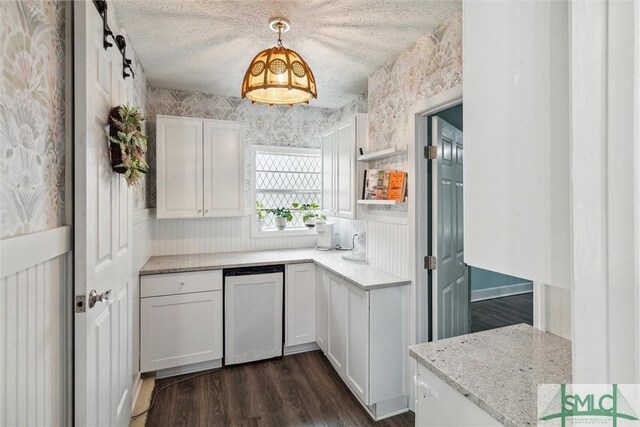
x=206, y=235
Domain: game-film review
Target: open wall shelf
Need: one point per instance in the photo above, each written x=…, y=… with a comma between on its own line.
x=380, y=202
x=387, y=152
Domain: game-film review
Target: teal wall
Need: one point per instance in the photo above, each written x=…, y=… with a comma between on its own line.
x=485, y=279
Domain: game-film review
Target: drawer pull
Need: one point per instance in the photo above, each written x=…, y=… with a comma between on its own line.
x=181, y=283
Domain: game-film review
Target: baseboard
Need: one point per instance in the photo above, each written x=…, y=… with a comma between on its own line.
x=501, y=291
x=137, y=386
x=301, y=348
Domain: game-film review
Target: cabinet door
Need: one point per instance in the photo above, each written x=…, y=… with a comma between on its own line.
x=357, y=366
x=337, y=322
x=328, y=173
x=179, y=167
x=438, y=404
x=346, y=152
x=300, y=308
x=223, y=168
x=322, y=308
x=178, y=330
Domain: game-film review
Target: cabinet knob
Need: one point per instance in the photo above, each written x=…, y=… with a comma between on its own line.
x=181, y=283
x=199, y=210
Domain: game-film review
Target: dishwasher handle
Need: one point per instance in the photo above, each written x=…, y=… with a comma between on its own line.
x=247, y=271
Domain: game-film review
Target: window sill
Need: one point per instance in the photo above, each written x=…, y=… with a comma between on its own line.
x=287, y=232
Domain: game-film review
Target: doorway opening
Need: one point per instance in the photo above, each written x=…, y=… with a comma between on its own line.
x=457, y=298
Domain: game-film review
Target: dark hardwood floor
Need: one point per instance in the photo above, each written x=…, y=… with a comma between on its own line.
x=296, y=390
x=499, y=312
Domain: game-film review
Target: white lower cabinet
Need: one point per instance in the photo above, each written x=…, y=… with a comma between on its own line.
x=440, y=405
x=300, y=304
x=357, y=366
x=337, y=340
x=180, y=320
x=363, y=334
x=322, y=309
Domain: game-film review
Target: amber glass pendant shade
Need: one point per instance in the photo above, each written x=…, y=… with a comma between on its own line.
x=279, y=76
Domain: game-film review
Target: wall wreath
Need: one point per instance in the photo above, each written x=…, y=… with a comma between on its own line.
x=127, y=143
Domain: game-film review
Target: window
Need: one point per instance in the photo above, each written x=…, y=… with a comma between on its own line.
x=286, y=175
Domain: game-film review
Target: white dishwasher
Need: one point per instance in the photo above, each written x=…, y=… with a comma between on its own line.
x=253, y=313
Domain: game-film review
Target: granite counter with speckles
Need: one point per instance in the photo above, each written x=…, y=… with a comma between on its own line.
x=499, y=370
x=362, y=275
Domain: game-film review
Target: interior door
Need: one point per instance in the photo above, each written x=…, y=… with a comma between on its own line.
x=103, y=228
x=450, y=276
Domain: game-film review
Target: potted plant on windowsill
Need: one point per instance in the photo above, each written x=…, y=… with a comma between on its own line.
x=260, y=213
x=283, y=216
x=309, y=213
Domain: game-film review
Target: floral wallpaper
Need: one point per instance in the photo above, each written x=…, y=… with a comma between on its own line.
x=32, y=116
x=297, y=126
x=433, y=64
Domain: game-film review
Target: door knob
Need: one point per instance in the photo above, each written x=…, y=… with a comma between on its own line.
x=94, y=297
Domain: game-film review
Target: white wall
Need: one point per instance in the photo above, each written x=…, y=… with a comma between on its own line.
x=605, y=193
x=142, y=228
x=35, y=329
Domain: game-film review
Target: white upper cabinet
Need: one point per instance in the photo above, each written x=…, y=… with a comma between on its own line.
x=516, y=130
x=223, y=168
x=179, y=167
x=339, y=170
x=328, y=172
x=200, y=168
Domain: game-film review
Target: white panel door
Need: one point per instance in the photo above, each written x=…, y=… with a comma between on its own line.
x=322, y=308
x=357, y=367
x=223, y=168
x=328, y=172
x=346, y=161
x=103, y=227
x=337, y=346
x=179, y=167
x=300, y=304
x=450, y=276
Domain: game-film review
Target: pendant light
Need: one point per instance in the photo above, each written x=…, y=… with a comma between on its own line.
x=279, y=76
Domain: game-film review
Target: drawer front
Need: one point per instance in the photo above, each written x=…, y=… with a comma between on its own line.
x=180, y=283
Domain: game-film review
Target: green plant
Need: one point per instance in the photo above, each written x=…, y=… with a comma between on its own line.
x=309, y=211
x=128, y=143
x=260, y=210
x=282, y=213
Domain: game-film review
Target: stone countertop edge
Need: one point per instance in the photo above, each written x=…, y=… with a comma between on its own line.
x=421, y=353
x=390, y=280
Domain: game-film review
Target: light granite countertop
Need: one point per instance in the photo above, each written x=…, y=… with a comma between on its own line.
x=362, y=275
x=499, y=370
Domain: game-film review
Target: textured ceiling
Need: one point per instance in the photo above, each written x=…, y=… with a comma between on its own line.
x=206, y=46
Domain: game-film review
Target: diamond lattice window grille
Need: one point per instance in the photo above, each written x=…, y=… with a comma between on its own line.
x=284, y=178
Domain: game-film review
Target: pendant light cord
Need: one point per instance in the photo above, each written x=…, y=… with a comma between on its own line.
x=279, y=34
